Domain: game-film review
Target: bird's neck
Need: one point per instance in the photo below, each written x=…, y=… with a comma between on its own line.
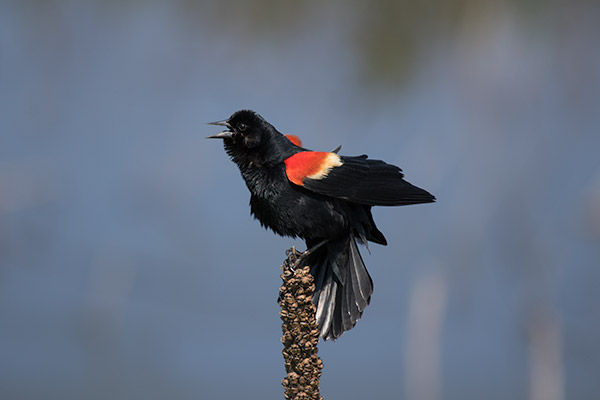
x=264, y=164
x=269, y=153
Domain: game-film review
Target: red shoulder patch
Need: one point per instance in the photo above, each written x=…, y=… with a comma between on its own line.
x=294, y=139
x=310, y=164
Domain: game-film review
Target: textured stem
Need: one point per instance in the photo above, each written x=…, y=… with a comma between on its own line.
x=300, y=331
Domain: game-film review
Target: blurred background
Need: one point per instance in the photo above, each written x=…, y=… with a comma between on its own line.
x=130, y=266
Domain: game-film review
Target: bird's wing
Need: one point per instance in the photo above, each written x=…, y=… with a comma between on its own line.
x=294, y=139
x=357, y=179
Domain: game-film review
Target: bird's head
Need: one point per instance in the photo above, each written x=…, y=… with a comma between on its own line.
x=250, y=140
x=245, y=130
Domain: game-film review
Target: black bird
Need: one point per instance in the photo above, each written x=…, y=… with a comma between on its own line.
x=323, y=198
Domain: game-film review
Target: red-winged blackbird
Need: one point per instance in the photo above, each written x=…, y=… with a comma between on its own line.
x=323, y=198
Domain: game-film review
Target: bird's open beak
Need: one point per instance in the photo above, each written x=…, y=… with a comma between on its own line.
x=219, y=123
x=220, y=135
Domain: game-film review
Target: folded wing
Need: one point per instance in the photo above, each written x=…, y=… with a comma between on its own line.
x=357, y=179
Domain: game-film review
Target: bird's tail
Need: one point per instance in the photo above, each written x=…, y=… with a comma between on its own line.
x=343, y=286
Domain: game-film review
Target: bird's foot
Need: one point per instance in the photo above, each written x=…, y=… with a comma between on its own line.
x=306, y=253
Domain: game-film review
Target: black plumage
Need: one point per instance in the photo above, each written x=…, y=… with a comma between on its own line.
x=324, y=199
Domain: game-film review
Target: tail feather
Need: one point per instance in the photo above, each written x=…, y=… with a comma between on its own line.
x=343, y=286
x=324, y=303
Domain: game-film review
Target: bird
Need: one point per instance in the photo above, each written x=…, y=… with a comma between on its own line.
x=323, y=198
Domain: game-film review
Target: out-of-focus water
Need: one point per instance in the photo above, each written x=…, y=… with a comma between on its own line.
x=130, y=266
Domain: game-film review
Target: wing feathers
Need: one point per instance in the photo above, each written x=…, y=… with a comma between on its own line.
x=370, y=182
x=310, y=165
x=294, y=139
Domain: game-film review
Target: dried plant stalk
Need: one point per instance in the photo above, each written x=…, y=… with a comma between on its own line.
x=300, y=331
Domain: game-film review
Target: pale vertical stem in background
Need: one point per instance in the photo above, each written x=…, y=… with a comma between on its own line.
x=422, y=364
x=545, y=357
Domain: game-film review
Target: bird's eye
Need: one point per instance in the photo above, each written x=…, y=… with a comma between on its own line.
x=241, y=127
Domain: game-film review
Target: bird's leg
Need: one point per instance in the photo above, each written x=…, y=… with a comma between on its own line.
x=298, y=260
x=307, y=253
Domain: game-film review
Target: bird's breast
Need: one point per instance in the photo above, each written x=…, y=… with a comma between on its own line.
x=290, y=210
